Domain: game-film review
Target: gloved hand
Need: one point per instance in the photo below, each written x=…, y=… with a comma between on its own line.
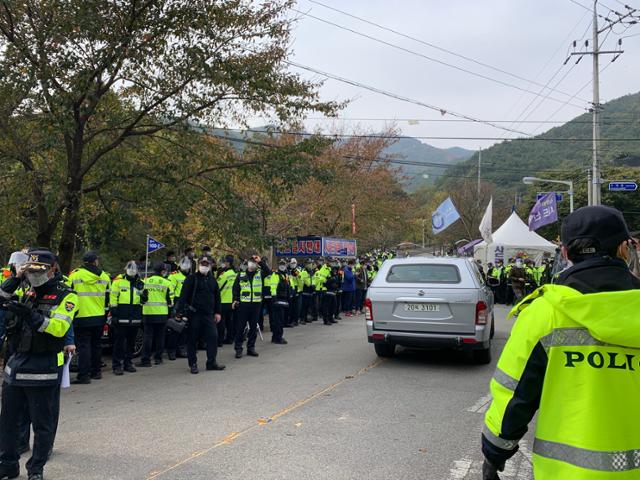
x=35, y=319
x=489, y=471
x=19, y=309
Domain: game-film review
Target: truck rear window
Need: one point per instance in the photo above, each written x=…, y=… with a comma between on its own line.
x=424, y=273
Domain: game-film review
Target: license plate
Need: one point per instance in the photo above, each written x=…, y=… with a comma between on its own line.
x=421, y=307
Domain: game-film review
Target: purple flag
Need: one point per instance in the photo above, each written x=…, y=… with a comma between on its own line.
x=544, y=212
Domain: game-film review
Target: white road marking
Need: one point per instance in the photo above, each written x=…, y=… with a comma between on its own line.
x=460, y=469
x=481, y=406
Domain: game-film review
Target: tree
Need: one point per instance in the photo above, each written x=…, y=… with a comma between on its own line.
x=82, y=79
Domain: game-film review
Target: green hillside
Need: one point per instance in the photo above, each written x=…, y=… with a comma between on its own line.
x=506, y=163
x=413, y=150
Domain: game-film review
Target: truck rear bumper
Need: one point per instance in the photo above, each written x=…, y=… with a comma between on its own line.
x=479, y=340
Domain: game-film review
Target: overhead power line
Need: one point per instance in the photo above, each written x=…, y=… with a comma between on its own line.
x=431, y=137
x=435, y=60
x=442, y=111
x=393, y=161
x=432, y=45
x=458, y=120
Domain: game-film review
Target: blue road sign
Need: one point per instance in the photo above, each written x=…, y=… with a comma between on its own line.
x=623, y=186
x=559, y=196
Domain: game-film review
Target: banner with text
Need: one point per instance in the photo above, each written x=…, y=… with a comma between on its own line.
x=316, y=247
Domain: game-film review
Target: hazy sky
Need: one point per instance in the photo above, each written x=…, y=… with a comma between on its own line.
x=517, y=36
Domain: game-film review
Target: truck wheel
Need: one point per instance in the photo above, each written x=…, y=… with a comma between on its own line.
x=482, y=357
x=385, y=350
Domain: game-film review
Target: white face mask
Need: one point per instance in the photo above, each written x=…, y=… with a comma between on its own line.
x=518, y=264
x=204, y=270
x=251, y=266
x=132, y=272
x=243, y=267
x=37, y=279
x=293, y=265
x=282, y=268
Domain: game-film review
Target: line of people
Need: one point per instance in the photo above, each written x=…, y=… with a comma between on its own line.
x=44, y=315
x=520, y=277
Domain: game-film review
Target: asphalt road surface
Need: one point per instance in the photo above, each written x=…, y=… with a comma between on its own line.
x=322, y=407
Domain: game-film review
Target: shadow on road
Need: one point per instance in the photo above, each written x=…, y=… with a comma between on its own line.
x=436, y=358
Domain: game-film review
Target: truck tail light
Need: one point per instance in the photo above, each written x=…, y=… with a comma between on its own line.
x=368, y=309
x=482, y=313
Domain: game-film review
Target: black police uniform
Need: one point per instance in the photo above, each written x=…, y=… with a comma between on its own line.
x=33, y=372
x=199, y=302
x=280, y=304
x=329, y=300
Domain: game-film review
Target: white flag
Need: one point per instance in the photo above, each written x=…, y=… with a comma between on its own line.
x=485, y=224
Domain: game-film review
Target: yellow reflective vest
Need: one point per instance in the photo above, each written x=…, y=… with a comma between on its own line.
x=578, y=357
x=160, y=292
x=251, y=291
x=177, y=280
x=93, y=296
x=225, y=283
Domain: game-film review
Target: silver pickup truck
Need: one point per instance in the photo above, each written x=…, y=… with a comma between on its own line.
x=430, y=302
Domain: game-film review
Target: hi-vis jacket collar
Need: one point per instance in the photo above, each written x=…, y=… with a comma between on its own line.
x=611, y=317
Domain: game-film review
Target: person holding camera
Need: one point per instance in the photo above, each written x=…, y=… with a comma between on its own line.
x=200, y=303
x=36, y=330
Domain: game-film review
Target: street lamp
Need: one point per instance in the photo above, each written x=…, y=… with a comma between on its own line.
x=569, y=183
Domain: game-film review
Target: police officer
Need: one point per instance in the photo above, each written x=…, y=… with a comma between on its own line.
x=332, y=285
x=200, y=303
x=319, y=279
x=573, y=354
x=32, y=375
x=280, y=302
x=155, y=313
x=226, y=279
x=295, y=298
x=92, y=285
x=306, y=279
x=177, y=341
x=247, y=299
x=126, y=299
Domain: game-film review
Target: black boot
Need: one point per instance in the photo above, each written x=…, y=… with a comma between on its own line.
x=78, y=381
x=238, y=353
x=215, y=366
x=9, y=471
x=252, y=353
x=35, y=476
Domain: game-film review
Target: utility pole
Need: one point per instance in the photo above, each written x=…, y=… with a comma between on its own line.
x=595, y=183
x=631, y=17
x=589, y=187
x=479, y=174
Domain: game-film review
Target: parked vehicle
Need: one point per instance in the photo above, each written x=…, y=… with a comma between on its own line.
x=430, y=302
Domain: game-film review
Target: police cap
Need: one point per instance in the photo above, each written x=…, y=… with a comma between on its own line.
x=604, y=226
x=40, y=260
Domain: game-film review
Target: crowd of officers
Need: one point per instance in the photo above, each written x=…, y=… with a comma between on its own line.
x=46, y=317
x=518, y=278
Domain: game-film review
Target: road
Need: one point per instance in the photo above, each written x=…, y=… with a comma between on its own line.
x=322, y=407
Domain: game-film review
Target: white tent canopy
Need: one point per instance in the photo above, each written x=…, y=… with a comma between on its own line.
x=511, y=239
